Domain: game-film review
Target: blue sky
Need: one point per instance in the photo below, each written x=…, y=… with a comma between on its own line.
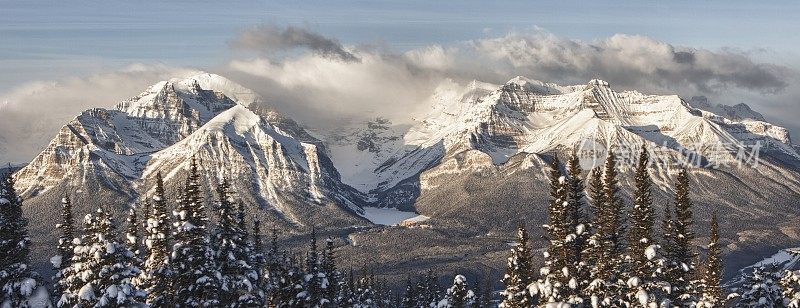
x=65, y=56
x=50, y=39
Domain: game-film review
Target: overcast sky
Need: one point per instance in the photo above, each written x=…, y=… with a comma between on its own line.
x=730, y=51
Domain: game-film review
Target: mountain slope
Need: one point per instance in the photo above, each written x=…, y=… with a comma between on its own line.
x=109, y=158
x=528, y=116
x=477, y=165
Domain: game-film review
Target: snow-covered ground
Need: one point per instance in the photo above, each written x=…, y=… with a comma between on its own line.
x=785, y=259
x=390, y=216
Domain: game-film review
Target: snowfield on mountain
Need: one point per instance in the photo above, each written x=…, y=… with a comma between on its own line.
x=472, y=166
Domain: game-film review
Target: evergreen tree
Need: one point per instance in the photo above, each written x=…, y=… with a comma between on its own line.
x=132, y=236
x=712, y=277
x=578, y=238
x=333, y=276
x=428, y=292
x=364, y=294
x=20, y=286
x=346, y=292
x=102, y=268
x=315, y=278
x=556, y=271
x=410, y=297
x=791, y=288
x=608, y=242
x=195, y=281
x=683, y=253
x=230, y=241
x=459, y=295
x=594, y=246
x=283, y=278
x=518, y=274
x=258, y=262
x=651, y=289
x=640, y=233
x=62, y=261
x=597, y=195
x=156, y=276
x=667, y=243
x=292, y=292
x=611, y=227
x=762, y=289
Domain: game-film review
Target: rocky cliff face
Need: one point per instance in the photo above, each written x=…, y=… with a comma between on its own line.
x=475, y=162
x=274, y=165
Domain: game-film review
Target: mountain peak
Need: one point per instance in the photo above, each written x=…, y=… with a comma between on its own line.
x=598, y=83
x=238, y=117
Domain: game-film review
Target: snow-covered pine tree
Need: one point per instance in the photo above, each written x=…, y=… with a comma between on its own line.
x=293, y=292
x=19, y=284
x=578, y=231
x=156, y=277
x=102, y=268
x=553, y=284
x=428, y=290
x=334, y=277
x=281, y=276
x=612, y=226
x=383, y=295
x=519, y=271
x=667, y=243
x=258, y=262
x=133, y=236
x=683, y=253
x=650, y=289
x=610, y=230
x=364, y=293
x=459, y=295
x=640, y=231
x=63, y=260
x=230, y=240
x=791, y=288
x=346, y=297
x=410, y=297
x=316, y=280
x=595, y=244
x=195, y=276
x=762, y=288
x=712, y=295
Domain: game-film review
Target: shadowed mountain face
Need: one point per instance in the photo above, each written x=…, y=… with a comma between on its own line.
x=476, y=163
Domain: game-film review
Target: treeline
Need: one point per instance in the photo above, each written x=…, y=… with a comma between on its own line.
x=599, y=253
x=180, y=259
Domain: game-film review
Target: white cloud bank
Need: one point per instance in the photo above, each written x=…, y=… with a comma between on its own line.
x=319, y=81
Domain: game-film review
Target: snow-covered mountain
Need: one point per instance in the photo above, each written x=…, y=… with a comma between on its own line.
x=533, y=117
x=475, y=162
x=273, y=164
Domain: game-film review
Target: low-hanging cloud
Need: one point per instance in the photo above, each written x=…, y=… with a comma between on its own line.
x=271, y=39
x=32, y=113
x=631, y=61
x=314, y=86
x=320, y=83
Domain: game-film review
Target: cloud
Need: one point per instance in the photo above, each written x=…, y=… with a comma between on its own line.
x=271, y=39
x=32, y=113
x=631, y=61
x=319, y=91
x=314, y=86
x=320, y=83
